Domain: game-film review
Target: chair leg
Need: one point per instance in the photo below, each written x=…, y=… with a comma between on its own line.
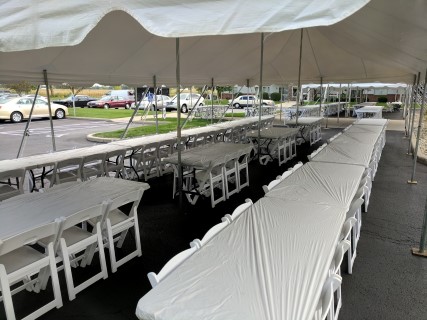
x=7, y=296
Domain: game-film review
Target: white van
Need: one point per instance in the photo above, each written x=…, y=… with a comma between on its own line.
x=127, y=94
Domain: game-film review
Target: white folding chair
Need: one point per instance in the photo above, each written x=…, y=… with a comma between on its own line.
x=75, y=240
x=237, y=212
x=11, y=183
x=170, y=266
x=243, y=171
x=66, y=171
x=335, y=268
x=354, y=212
x=209, y=235
x=118, y=224
x=271, y=185
x=114, y=163
x=21, y=263
x=93, y=166
x=147, y=161
x=215, y=181
x=324, y=308
x=231, y=177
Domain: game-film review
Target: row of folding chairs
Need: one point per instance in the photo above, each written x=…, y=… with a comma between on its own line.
x=196, y=244
x=68, y=243
x=218, y=183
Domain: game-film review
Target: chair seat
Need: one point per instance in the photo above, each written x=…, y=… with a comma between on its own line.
x=75, y=234
x=20, y=258
x=116, y=216
x=7, y=191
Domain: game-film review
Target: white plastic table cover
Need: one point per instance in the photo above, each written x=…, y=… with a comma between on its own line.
x=365, y=129
x=142, y=141
x=304, y=121
x=320, y=183
x=240, y=122
x=370, y=138
x=268, y=264
x=346, y=151
x=273, y=133
x=30, y=210
x=372, y=122
x=41, y=160
x=376, y=112
x=209, y=155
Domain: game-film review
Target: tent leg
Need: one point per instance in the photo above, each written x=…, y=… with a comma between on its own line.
x=155, y=102
x=26, y=132
x=339, y=105
x=420, y=122
x=52, y=132
x=421, y=251
x=299, y=76
x=414, y=102
x=178, y=121
x=260, y=94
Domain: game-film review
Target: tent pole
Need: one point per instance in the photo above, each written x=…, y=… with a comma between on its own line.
x=52, y=132
x=421, y=251
x=411, y=103
x=420, y=122
x=260, y=95
x=212, y=105
x=155, y=102
x=321, y=96
x=299, y=75
x=26, y=132
x=413, y=114
x=347, y=110
x=339, y=104
x=178, y=121
x=327, y=100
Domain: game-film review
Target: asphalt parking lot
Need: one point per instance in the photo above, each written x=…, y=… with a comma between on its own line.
x=69, y=134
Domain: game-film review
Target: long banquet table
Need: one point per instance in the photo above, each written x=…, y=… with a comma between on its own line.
x=30, y=210
x=269, y=263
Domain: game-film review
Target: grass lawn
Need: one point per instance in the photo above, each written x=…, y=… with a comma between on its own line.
x=103, y=113
x=165, y=126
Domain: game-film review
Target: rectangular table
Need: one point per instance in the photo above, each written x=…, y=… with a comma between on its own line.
x=276, y=142
x=199, y=163
x=369, y=112
x=320, y=183
x=30, y=210
x=269, y=263
x=310, y=128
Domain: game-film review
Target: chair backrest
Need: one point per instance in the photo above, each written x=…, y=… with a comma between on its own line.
x=97, y=211
x=238, y=211
x=72, y=166
x=30, y=236
x=271, y=185
x=330, y=286
x=14, y=179
x=209, y=235
x=170, y=266
x=133, y=197
x=95, y=162
x=346, y=228
x=354, y=206
x=114, y=161
x=340, y=250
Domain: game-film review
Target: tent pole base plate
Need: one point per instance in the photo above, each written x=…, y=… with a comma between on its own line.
x=416, y=252
x=412, y=181
x=408, y=154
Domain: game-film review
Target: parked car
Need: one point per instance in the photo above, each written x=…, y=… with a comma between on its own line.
x=187, y=101
x=110, y=102
x=17, y=109
x=249, y=101
x=79, y=101
x=151, y=101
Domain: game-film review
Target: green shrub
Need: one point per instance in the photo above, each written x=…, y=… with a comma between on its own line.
x=275, y=96
x=382, y=99
x=265, y=95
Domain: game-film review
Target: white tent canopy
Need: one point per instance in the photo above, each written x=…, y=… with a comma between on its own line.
x=82, y=43
x=367, y=85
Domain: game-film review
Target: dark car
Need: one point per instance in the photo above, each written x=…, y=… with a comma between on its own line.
x=111, y=102
x=80, y=101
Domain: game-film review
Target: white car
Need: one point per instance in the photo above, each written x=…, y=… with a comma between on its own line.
x=249, y=101
x=187, y=101
x=17, y=109
x=151, y=101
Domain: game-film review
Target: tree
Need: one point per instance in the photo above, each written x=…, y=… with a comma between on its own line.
x=21, y=87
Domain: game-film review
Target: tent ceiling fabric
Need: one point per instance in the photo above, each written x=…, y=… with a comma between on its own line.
x=49, y=23
x=384, y=41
